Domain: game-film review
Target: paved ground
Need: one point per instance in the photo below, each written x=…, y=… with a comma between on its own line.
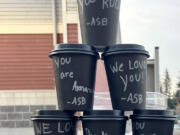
x=22, y=131
x=176, y=132
x=30, y=131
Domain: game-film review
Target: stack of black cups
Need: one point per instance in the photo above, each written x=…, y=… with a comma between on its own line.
x=75, y=71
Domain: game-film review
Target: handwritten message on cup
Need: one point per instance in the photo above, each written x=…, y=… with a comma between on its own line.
x=95, y=20
x=99, y=21
x=89, y=132
x=68, y=74
x=140, y=128
x=126, y=77
x=126, y=74
x=55, y=127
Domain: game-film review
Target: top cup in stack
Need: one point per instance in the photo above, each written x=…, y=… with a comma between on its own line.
x=99, y=22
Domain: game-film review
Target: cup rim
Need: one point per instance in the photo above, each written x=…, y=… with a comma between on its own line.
x=75, y=49
x=50, y=118
x=103, y=118
x=53, y=114
x=125, y=49
x=153, y=114
x=152, y=118
x=103, y=112
x=104, y=115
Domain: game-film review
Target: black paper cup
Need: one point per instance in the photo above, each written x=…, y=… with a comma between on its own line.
x=74, y=71
x=54, y=122
x=99, y=21
x=126, y=67
x=104, y=122
x=152, y=122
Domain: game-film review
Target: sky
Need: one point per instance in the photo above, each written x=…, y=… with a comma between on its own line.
x=154, y=23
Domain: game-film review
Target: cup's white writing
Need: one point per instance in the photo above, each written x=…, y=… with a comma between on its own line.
x=97, y=21
x=105, y=4
x=64, y=75
x=62, y=61
x=45, y=129
x=80, y=88
x=133, y=98
x=140, y=125
x=67, y=127
x=130, y=78
x=117, y=68
x=78, y=101
x=111, y=4
x=88, y=132
x=133, y=65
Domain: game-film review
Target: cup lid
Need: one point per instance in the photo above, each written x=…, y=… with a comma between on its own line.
x=74, y=48
x=153, y=114
x=125, y=48
x=104, y=114
x=53, y=114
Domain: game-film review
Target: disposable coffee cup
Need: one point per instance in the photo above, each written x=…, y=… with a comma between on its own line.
x=99, y=21
x=152, y=122
x=54, y=122
x=74, y=71
x=104, y=122
x=126, y=67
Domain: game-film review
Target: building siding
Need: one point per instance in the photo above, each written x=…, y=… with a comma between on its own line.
x=28, y=11
x=72, y=33
x=150, y=78
x=59, y=38
x=24, y=62
x=71, y=5
x=59, y=11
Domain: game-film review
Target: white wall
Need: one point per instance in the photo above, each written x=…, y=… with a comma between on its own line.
x=150, y=76
x=28, y=16
x=25, y=11
x=28, y=97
